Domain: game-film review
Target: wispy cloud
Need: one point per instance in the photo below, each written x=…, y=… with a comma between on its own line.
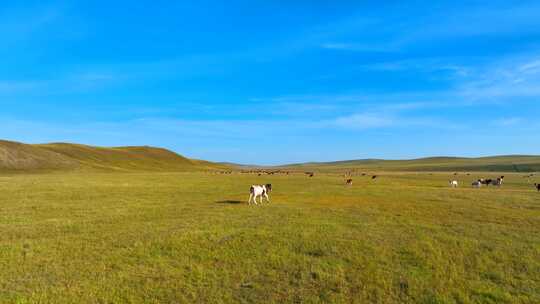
x=357, y=47
x=446, y=24
x=427, y=65
x=509, y=121
x=364, y=121
x=8, y=87
x=18, y=24
x=512, y=79
x=500, y=81
x=385, y=120
x=532, y=67
x=499, y=19
x=83, y=81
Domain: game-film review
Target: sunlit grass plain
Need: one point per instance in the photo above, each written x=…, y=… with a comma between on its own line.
x=191, y=238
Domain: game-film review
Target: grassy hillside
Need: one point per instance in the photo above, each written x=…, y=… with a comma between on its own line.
x=16, y=156
x=63, y=156
x=510, y=163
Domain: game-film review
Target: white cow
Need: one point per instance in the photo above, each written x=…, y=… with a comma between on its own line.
x=453, y=183
x=477, y=184
x=259, y=190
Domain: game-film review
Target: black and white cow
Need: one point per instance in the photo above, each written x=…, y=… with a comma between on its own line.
x=486, y=181
x=498, y=181
x=259, y=190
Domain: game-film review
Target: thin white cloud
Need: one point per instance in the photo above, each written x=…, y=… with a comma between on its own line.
x=511, y=78
x=510, y=121
x=447, y=23
x=385, y=120
x=429, y=65
x=510, y=17
x=74, y=82
x=357, y=47
x=532, y=67
x=364, y=121
x=17, y=86
x=18, y=24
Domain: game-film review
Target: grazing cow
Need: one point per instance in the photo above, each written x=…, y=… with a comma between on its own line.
x=537, y=187
x=498, y=182
x=259, y=190
x=453, y=183
x=485, y=181
x=374, y=177
x=477, y=184
x=349, y=182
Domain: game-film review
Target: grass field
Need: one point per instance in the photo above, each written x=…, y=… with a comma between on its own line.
x=191, y=238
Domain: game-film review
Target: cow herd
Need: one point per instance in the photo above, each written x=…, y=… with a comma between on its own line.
x=488, y=181
x=481, y=181
x=262, y=191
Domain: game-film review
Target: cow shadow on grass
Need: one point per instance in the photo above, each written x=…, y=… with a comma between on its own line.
x=232, y=202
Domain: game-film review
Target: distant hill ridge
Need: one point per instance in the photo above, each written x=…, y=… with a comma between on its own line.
x=16, y=156
x=503, y=163
x=19, y=157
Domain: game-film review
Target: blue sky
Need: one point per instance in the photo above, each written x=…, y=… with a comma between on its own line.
x=271, y=82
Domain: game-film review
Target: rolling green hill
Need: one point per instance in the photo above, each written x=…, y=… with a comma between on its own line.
x=508, y=163
x=64, y=156
x=16, y=157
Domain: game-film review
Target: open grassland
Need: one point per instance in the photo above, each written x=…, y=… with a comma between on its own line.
x=191, y=238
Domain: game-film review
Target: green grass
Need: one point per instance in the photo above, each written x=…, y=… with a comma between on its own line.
x=190, y=238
